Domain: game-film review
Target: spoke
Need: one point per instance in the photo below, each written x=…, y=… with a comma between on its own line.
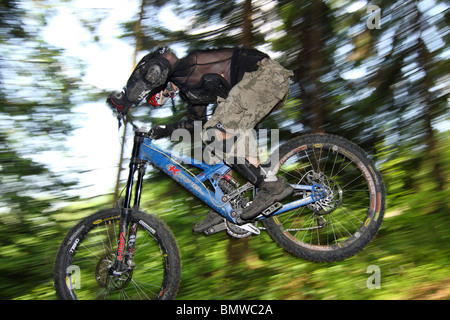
x=334, y=163
x=345, y=206
x=138, y=288
x=94, y=256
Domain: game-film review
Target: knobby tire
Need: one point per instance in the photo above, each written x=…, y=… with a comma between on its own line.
x=88, y=250
x=341, y=225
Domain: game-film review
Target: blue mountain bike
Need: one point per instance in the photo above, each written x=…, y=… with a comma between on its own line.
x=124, y=253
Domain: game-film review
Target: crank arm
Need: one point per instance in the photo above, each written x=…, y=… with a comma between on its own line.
x=217, y=228
x=250, y=228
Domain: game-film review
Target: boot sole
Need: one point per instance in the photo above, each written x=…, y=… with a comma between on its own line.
x=286, y=193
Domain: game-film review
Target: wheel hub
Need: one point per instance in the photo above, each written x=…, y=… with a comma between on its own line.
x=329, y=187
x=105, y=276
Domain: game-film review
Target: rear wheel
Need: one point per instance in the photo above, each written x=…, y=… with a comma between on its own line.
x=84, y=260
x=348, y=218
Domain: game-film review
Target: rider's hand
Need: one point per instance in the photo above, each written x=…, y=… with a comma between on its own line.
x=119, y=101
x=159, y=131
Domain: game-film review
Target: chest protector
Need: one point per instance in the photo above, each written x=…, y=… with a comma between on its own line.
x=202, y=76
x=205, y=75
x=210, y=87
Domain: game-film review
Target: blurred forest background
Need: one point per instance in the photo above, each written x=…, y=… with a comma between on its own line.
x=384, y=86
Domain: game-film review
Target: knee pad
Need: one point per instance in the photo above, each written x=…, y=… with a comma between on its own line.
x=215, y=147
x=214, y=141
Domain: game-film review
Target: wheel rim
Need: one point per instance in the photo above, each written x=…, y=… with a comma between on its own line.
x=336, y=220
x=88, y=275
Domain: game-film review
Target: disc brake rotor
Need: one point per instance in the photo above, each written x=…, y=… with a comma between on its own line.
x=333, y=191
x=107, y=280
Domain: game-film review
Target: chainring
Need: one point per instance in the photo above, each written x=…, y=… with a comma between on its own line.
x=236, y=231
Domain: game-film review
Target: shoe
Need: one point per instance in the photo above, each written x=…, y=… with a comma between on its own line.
x=269, y=193
x=211, y=219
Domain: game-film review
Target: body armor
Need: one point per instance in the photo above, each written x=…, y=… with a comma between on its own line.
x=150, y=74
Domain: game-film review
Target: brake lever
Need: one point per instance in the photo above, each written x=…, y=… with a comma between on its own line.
x=150, y=134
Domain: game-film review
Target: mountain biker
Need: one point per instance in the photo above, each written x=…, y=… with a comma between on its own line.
x=246, y=85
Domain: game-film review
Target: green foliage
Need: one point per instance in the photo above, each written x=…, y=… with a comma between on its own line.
x=411, y=251
x=393, y=111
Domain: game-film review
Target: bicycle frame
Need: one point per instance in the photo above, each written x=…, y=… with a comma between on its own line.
x=144, y=151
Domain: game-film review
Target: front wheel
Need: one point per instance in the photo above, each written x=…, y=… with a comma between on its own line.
x=347, y=219
x=86, y=256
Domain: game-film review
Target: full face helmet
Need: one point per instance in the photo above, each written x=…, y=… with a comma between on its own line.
x=160, y=98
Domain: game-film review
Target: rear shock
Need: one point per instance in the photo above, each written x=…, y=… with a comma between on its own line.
x=227, y=184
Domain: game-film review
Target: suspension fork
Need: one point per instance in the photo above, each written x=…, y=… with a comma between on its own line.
x=127, y=231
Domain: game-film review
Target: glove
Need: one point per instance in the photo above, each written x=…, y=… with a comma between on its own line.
x=119, y=101
x=159, y=131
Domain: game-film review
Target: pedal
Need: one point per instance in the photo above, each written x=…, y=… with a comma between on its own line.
x=217, y=228
x=276, y=206
x=250, y=228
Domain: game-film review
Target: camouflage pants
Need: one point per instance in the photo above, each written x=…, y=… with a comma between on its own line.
x=249, y=101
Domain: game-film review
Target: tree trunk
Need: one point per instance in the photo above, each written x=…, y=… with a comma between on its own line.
x=316, y=45
x=137, y=48
x=247, y=27
x=428, y=112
